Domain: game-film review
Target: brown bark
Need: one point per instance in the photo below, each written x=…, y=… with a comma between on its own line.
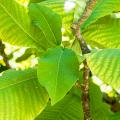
x=84, y=48
x=85, y=85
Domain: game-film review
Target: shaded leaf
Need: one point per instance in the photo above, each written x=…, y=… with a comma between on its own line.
x=28, y=52
x=100, y=110
x=69, y=108
x=58, y=71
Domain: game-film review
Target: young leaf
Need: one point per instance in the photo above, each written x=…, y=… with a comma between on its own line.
x=104, y=33
x=21, y=95
x=69, y=108
x=58, y=71
x=42, y=18
x=101, y=9
x=105, y=65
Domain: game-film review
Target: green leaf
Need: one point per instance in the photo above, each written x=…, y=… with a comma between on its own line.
x=105, y=33
x=105, y=65
x=58, y=6
x=42, y=18
x=28, y=52
x=69, y=108
x=15, y=25
x=101, y=9
x=58, y=71
x=21, y=95
x=100, y=110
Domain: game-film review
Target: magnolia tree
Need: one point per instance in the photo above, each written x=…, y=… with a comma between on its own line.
x=74, y=41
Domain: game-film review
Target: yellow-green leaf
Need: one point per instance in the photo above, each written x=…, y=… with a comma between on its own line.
x=21, y=95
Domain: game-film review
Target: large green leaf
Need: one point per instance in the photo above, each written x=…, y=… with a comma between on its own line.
x=16, y=27
x=105, y=33
x=105, y=64
x=69, y=108
x=21, y=95
x=58, y=71
x=42, y=17
x=101, y=9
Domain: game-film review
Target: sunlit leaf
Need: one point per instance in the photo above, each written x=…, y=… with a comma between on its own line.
x=21, y=95
x=101, y=9
x=105, y=65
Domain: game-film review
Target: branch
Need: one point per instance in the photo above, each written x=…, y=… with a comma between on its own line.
x=88, y=10
x=85, y=50
x=2, y=52
x=85, y=86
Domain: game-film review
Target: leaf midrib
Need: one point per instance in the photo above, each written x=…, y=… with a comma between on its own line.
x=58, y=66
x=48, y=26
x=18, y=82
x=17, y=23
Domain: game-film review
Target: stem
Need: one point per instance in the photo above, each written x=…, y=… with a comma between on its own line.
x=88, y=10
x=85, y=50
x=85, y=86
x=2, y=52
x=85, y=93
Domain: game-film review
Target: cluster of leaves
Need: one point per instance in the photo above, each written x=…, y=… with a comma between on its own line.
x=43, y=26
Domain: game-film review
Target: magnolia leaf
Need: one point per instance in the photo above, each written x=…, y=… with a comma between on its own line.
x=15, y=25
x=101, y=9
x=69, y=108
x=42, y=18
x=105, y=33
x=58, y=71
x=105, y=65
x=21, y=95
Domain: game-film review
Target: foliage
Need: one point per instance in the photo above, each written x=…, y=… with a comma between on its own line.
x=41, y=83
